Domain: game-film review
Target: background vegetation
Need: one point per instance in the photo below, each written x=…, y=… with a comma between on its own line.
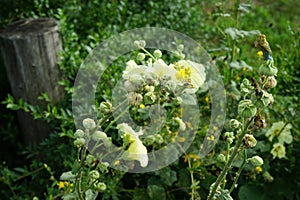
x=28, y=171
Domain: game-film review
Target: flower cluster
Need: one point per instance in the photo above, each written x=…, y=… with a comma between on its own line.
x=280, y=132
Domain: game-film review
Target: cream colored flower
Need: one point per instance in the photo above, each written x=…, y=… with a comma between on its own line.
x=197, y=72
x=137, y=150
x=182, y=125
x=160, y=69
x=278, y=151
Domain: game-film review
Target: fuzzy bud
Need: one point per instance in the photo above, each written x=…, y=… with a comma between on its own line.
x=246, y=108
x=141, y=56
x=157, y=53
x=105, y=107
x=249, y=141
x=99, y=135
x=101, y=186
x=140, y=43
x=271, y=82
x=89, y=123
x=268, y=68
x=79, y=133
x=79, y=142
x=234, y=124
x=94, y=174
x=256, y=161
x=221, y=158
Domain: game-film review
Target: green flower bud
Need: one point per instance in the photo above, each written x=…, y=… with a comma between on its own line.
x=157, y=53
x=249, y=141
x=94, y=174
x=246, y=87
x=99, y=135
x=101, y=186
x=229, y=137
x=256, y=161
x=180, y=47
x=141, y=56
x=149, y=140
x=221, y=158
x=79, y=142
x=90, y=159
x=35, y=198
x=140, y=43
x=234, y=124
x=267, y=98
x=103, y=166
x=159, y=139
x=246, y=108
x=89, y=123
x=105, y=107
x=268, y=69
x=79, y=133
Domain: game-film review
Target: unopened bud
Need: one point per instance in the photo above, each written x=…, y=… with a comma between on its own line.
x=256, y=161
x=249, y=141
x=246, y=108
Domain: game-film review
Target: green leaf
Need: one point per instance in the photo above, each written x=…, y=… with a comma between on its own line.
x=70, y=196
x=67, y=176
x=90, y=195
x=248, y=192
x=12, y=106
x=156, y=192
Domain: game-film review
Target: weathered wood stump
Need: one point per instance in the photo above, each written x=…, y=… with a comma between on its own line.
x=29, y=49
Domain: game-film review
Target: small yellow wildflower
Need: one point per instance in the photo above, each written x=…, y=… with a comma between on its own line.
x=142, y=106
x=258, y=169
x=63, y=184
x=206, y=99
x=260, y=54
x=211, y=138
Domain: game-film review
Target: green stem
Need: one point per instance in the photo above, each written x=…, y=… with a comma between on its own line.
x=239, y=171
x=231, y=159
x=226, y=160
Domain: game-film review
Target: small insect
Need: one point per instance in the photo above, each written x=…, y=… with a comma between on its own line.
x=262, y=44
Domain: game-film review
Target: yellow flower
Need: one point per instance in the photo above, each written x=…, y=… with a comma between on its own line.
x=142, y=106
x=260, y=54
x=258, y=169
x=63, y=184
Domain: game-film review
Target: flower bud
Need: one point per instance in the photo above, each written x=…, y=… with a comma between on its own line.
x=159, y=139
x=89, y=123
x=90, y=159
x=79, y=142
x=256, y=161
x=267, y=98
x=249, y=141
x=268, y=68
x=103, y=166
x=234, y=124
x=134, y=98
x=246, y=108
x=105, y=107
x=271, y=82
x=99, y=135
x=157, y=53
x=79, y=133
x=101, y=186
x=140, y=43
x=221, y=158
x=229, y=137
x=180, y=47
x=141, y=56
x=94, y=174
x=149, y=140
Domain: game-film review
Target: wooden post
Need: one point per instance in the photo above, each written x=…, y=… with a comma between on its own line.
x=29, y=49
